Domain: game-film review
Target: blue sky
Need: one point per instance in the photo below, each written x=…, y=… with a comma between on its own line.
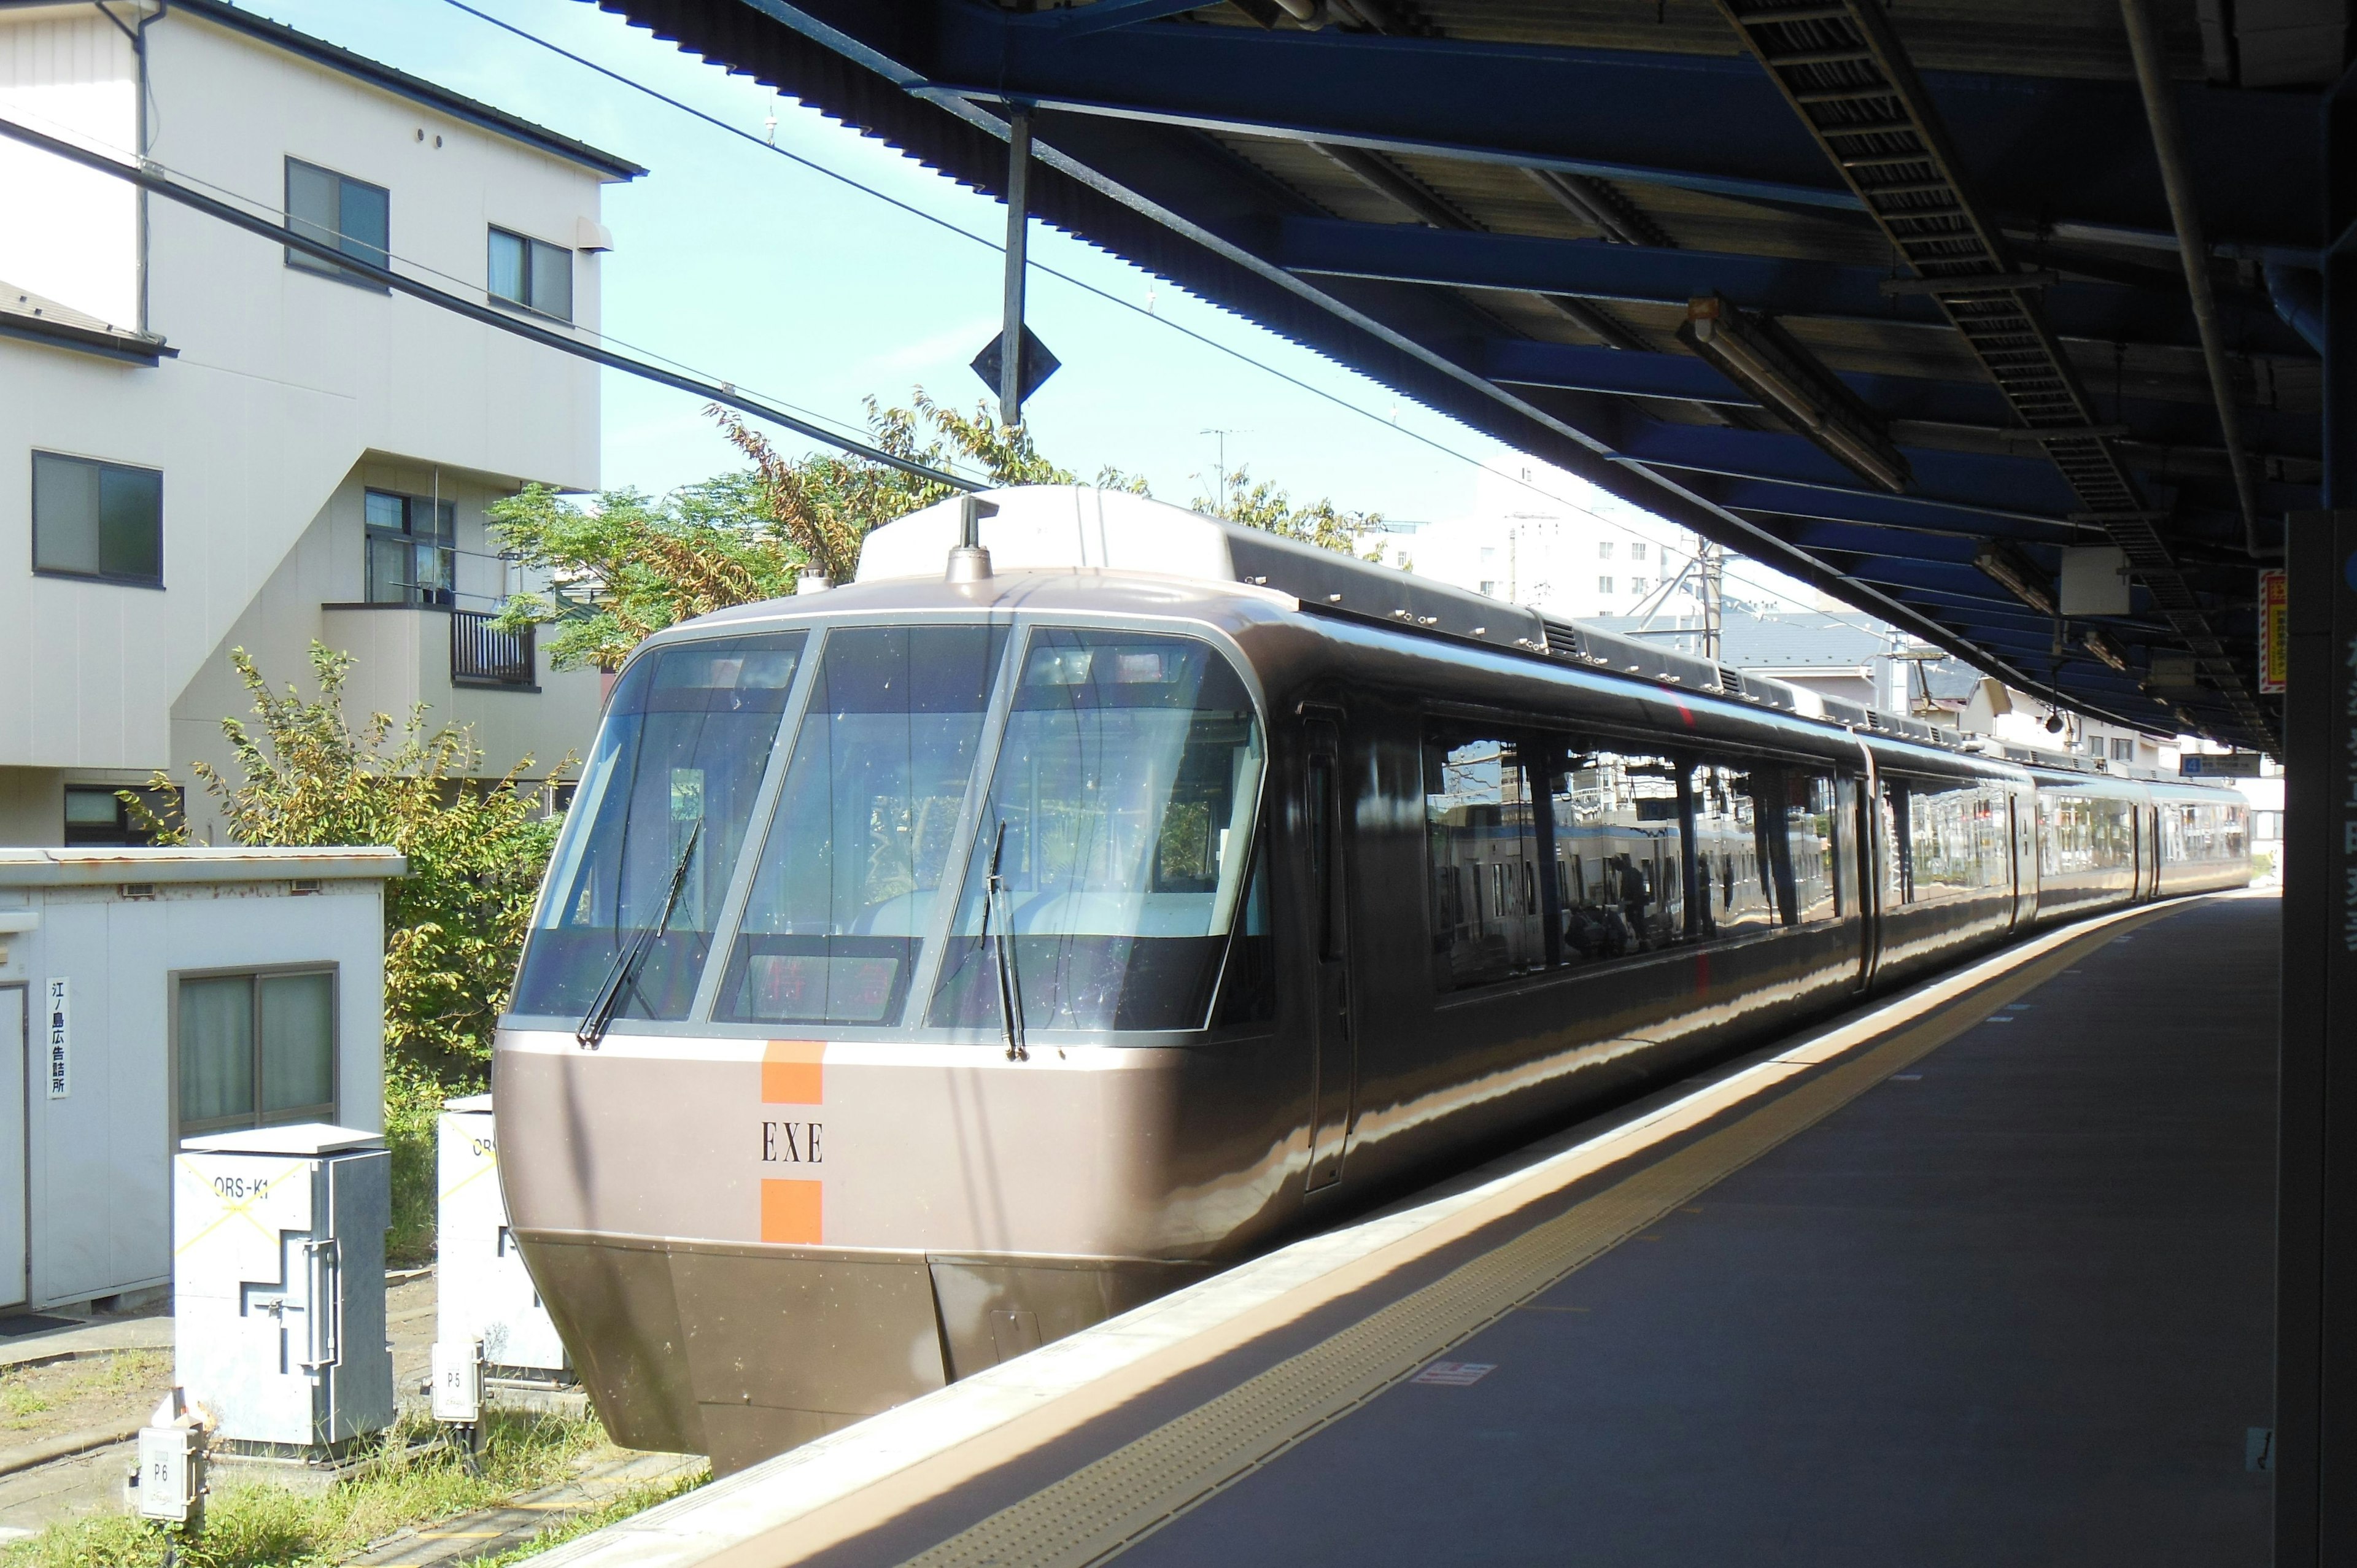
x=754, y=270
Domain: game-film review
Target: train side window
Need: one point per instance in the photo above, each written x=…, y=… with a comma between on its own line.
x=1809, y=807
x=1898, y=879
x=1481, y=859
x=1956, y=841
x=1735, y=873
x=1619, y=830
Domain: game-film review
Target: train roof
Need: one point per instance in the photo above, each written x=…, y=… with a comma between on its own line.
x=1033, y=528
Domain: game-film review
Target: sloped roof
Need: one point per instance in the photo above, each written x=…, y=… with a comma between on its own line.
x=416, y=89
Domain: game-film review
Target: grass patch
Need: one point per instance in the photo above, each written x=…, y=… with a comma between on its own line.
x=254, y=1525
x=84, y=1392
x=621, y=1506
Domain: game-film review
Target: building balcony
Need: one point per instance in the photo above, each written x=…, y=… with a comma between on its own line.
x=466, y=672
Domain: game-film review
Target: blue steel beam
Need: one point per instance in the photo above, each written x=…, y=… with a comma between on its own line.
x=1704, y=123
x=1595, y=269
x=2015, y=486
x=1526, y=361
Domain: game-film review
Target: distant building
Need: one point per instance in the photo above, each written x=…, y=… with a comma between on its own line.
x=1584, y=556
x=208, y=441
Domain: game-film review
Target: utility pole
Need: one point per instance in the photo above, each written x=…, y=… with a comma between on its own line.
x=1713, y=579
x=1219, y=475
x=1018, y=228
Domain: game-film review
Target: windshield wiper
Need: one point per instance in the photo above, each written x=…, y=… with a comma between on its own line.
x=1010, y=977
x=623, y=972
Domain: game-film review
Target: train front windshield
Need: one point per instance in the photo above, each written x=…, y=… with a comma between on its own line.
x=1126, y=780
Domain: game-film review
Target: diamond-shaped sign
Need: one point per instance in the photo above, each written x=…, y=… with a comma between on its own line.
x=1039, y=364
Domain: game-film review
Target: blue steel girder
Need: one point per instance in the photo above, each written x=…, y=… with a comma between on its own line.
x=1188, y=206
x=1714, y=123
x=1527, y=362
x=1960, y=482
x=1780, y=286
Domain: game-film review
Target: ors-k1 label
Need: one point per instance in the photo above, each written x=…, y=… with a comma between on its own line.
x=55, y=1008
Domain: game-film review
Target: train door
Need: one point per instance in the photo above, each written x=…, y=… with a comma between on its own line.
x=1334, y=1045
x=2021, y=812
x=2150, y=816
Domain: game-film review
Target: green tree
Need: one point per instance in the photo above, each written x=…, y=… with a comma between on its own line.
x=1270, y=509
x=455, y=924
x=627, y=566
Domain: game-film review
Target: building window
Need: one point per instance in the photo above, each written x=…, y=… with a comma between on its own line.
x=96, y=815
x=1490, y=586
x=2123, y=750
x=1637, y=551
x=255, y=1050
x=97, y=520
x=531, y=272
x=1636, y=585
x=412, y=549
x=1603, y=585
x=335, y=209
x=1604, y=550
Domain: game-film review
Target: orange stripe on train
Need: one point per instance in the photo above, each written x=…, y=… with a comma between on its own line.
x=793, y=1072
x=790, y=1211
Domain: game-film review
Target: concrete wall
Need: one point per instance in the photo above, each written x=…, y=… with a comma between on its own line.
x=98, y=1162
x=289, y=388
x=401, y=654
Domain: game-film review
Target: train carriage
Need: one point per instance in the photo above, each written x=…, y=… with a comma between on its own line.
x=939, y=964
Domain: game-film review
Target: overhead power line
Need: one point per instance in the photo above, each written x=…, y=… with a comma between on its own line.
x=987, y=242
x=147, y=179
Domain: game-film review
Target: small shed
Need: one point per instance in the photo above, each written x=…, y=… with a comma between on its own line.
x=152, y=994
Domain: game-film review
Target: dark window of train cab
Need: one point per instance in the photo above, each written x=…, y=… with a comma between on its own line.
x=1248, y=988
x=1618, y=840
x=864, y=828
x=650, y=843
x=1125, y=790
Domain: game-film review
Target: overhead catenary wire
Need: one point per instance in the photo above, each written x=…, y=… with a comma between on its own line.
x=987, y=242
x=160, y=180
x=269, y=210
x=158, y=184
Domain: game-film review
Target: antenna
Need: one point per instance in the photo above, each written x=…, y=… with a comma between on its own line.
x=970, y=563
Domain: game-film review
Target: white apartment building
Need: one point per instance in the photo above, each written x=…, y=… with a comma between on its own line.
x=210, y=441
x=1538, y=536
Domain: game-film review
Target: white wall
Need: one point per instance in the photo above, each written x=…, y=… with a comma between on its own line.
x=70, y=73
x=286, y=381
x=98, y=1162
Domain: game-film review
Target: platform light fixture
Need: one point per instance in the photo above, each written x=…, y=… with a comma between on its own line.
x=2106, y=648
x=1765, y=361
x=2007, y=567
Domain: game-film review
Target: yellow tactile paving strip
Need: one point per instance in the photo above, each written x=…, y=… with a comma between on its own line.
x=1099, y=1510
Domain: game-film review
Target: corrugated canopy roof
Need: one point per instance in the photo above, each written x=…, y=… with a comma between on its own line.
x=1503, y=208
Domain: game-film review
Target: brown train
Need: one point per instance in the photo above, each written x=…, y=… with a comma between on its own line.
x=940, y=964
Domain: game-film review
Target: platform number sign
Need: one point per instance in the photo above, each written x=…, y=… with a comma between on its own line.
x=56, y=1012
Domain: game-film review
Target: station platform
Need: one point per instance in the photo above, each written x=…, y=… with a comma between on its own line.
x=1980, y=1273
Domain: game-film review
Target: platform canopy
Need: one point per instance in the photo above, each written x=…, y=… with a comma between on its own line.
x=1888, y=300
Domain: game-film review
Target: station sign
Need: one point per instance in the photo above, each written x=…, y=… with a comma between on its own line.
x=2229, y=765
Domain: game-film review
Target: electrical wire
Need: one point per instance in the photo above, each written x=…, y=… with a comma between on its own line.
x=998, y=246
x=269, y=212
x=148, y=178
